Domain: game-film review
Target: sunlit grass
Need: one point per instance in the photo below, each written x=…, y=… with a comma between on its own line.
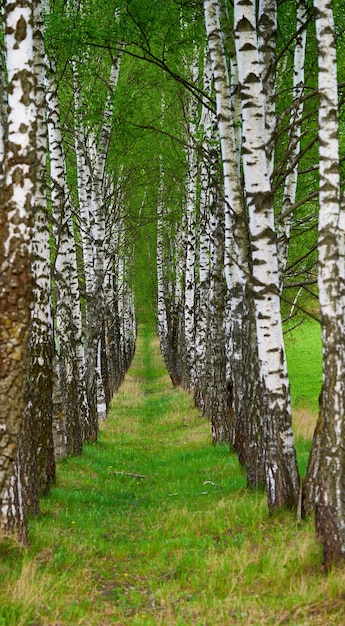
x=303, y=350
x=154, y=525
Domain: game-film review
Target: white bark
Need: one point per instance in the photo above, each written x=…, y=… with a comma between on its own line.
x=217, y=397
x=290, y=186
x=236, y=244
x=162, y=320
x=330, y=509
x=84, y=189
x=191, y=213
x=39, y=408
x=13, y=512
x=21, y=112
x=267, y=31
x=176, y=258
x=17, y=192
x=281, y=468
x=234, y=261
x=207, y=170
x=91, y=189
x=203, y=301
x=68, y=311
x=111, y=318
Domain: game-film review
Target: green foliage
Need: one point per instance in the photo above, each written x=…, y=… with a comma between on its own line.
x=153, y=525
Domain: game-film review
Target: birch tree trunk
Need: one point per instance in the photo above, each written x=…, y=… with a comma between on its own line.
x=282, y=478
x=217, y=405
x=162, y=316
x=241, y=359
x=208, y=166
x=87, y=231
x=330, y=505
x=290, y=186
x=176, y=316
x=35, y=466
x=110, y=350
x=115, y=248
x=267, y=34
x=16, y=215
x=171, y=258
x=191, y=213
x=95, y=303
x=236, y=243
x=98, y=203
x=39, y=409
x=66, y=280
x=91, y=159
x=201, y=325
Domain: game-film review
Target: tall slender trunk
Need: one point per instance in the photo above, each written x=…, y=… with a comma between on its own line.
x=217, y=402
x=87, y=231
x=282, y=478
x=267, y=35
x=170, y=274
x=208, y=166
x=191, y=251
x=92, y=149
x=290, y=186
x=17, y=193
x=236, y=240
x=330, y=505
x=35, y=458
x=66, y=278
x=162, y=318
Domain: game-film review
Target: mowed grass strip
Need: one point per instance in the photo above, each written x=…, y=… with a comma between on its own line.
x=154, y=526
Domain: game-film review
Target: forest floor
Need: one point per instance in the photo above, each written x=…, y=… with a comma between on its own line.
x=153, y=525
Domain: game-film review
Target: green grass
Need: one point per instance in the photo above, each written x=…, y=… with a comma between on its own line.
x=304, y=356
x=154, y=526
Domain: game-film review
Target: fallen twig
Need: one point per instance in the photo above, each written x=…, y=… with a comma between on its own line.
x=129, y=474
x=209, y=482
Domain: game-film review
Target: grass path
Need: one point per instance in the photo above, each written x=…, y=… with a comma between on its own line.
x=154, y=526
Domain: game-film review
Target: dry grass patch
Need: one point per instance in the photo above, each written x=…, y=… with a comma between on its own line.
x=132, y=388
x=187, y=426
x=304, y=422
x=26, y=589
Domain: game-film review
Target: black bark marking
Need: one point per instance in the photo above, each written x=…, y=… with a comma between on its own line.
x=21, y=30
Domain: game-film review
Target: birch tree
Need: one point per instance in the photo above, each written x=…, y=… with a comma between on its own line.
x=330, y=503
x=171, y=258
x=39, y=409
x=294, y=142
x=209, y=163
x=17, y=193
x=281, y=466
x=92, y=151
x=236, y=261
x=34, y=468
x=95, y=301
x=162, y=287
x=192, y=123
x=66, y=281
